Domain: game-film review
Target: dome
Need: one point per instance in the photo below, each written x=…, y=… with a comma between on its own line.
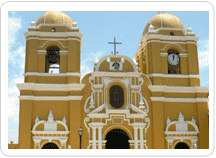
x=54, y=17
x=166, y=20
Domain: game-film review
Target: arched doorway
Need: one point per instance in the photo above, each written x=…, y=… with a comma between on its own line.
x=117, y=139
x=116, y=95
x=50, y=146
x=181, y=145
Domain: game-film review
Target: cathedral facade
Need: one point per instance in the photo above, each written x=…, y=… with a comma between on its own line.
x=155, y=103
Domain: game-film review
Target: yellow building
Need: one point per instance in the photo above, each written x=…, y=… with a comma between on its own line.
x=156, y=103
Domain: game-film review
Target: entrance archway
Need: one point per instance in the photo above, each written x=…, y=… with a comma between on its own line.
x=181, y=145
x=117, y=139
x=50, y=146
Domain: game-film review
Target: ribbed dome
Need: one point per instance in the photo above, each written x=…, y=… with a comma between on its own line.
x=54, y=17
x=164, y=20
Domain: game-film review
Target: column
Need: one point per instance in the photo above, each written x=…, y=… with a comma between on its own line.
x=194, y=143
x=63, y=61
x=63, y=143
x=141, y=138
x=170, y=142
x=135, y=138
x=99, y=137
x=94, y=137
x=36, y=143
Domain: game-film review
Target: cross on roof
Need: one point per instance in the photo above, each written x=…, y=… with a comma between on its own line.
x=114, y=44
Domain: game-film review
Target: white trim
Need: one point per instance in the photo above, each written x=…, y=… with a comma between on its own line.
x=164, y=99
x=173, y=75
x=51, y=40
x=180, y=89
x=51, y=87
x=116, y=74
x=183, y=55
x=53, y=34
x=49, y=132
x=48, y=98
x=116, y=56
x=163, y=54
x=51, y=74
x=170, y=38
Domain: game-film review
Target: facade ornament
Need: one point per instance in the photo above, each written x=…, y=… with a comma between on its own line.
x=195, y=146
x=141, y=103
x=193, y=120
x=92, y=106
x=64, y=120
x=36, y=119
x=189, y=30
x=74, y=25
x=168, y=121
x=50, y=117
x=151, y=27
x=33, y=23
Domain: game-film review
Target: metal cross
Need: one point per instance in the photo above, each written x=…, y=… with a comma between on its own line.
x=114, y=44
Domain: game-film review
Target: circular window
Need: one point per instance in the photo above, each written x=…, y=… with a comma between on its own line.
x=116, y=96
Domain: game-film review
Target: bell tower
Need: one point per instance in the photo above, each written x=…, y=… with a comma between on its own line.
x=53, y=49
x=167, y=54
x=51, y=94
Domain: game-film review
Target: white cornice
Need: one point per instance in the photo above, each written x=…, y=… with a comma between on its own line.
x=50, y=98
x=170, y=38
x=164, y=99
x=116, y=74
x=50, y=132
x=172, y=75
x=51, y=87
x=52, y=74
x=33, y=34
x=176, y=89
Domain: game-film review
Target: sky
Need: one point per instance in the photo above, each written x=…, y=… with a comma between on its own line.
x=98, y=29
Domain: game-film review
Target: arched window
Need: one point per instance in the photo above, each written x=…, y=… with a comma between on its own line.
x=173, y=62
x=116, y=95
x=52, y=59
x=182, y=145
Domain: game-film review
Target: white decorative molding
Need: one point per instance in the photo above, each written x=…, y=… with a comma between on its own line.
x=114, y=66
x=164, y=99
x=178, y=89
x=116, y=56
x=47, y=98
x=50, y=131
x=174, y=44
x=53, y=34
x=150, y=37
x=163, y=54
x=51, y=87
x=172, y=75
x=183, y=55
x=181, y=133
x=116, y=74
x=52, y=74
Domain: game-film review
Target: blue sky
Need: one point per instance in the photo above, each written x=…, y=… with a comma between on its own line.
x=98, y=29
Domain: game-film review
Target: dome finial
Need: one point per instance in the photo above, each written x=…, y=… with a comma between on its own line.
x=189, y=30
x=75, y=25
x=33, y=23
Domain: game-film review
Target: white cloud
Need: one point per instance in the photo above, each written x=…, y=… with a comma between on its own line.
x=13, y=103
x=203, y=59
x=88, y=64
x=14, y=24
